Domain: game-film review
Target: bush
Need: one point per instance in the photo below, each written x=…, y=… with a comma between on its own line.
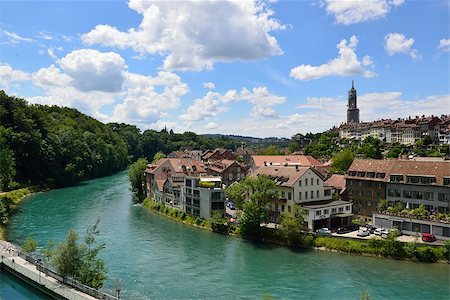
x=426, y=254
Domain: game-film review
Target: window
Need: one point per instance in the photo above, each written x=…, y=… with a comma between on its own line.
x=443, y=197
x=446, y=181
x=352, y=173
x=306, y=195
x=413, y=179
x=427, y=180
x=282, y=194
x=317, y=193
x=347, y=208
x=282, y=207
x=317, y=181
x=289, y=196
x=359, y=183
x=216, y=195
x=196, y=202
x=350, y=191
x=429, y=196
x=407, y=194
x=217, y=205
x=371, y=174
x=230, y=176
x=361, y=174
x=312, y=181
x=299, y=195
x=333, y=210
x=188, y=182
x=300, y=182
x=327, y=192
x=417, y=195
x=380, y=175
x=318, y=212
x=306, y=181
x=238, y=169
x=396, y=178
x=360, y=193
x=196, y=212
x=341, y=209
x=350, y=182
x=312, y=194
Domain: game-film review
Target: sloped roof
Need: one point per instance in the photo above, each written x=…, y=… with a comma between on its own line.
x=177, y=165
x=439, y=169
x=283, y=176
x=337, y=181
x=303, y=160
x=222, y=165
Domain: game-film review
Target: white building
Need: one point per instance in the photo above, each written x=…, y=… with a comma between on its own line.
x=202, y=196
x=305, y=186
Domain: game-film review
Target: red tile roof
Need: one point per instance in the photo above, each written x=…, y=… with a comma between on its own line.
x=302, y=160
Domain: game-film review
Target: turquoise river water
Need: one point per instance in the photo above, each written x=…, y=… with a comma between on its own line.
x=152, y=257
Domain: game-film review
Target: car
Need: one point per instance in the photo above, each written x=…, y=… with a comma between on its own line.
x=342, y=230
x=370, y=228
x=323, y=231
x=231, y=206
x=363, y=233
x=381, y=231
x=428, y=237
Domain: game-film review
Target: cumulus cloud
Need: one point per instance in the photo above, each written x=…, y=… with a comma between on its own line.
x=357, y=11
x=345, y=64
x=8, y=75
x=92, y=70
x=209, y=85
x=144, y=103
x=194, y=35
x=397, y=43
x=214, y=104
x=444, y=44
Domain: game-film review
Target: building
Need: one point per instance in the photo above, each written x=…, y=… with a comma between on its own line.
x=305, y=186
x=244, y=154
x=412, y=182
x=403, y=131
x=186, y=153
x=337, y=183
x=165, y=178
x=284, y=160
x=229, y=170
x=218, y=154
x=202, y=196
x=352, y=110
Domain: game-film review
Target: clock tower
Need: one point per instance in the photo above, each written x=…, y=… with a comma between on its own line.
x=352, y=111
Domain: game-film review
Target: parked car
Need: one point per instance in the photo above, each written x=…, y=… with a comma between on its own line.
x=381, y=231
x=370, y=228
x=323, y=231
x=342, y=230
x=231, y=206
x=363, y=233
x=428, y=237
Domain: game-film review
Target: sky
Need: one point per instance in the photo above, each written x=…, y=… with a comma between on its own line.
x=253, y=68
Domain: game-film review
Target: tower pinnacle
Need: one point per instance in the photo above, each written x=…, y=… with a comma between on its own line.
x=352, y=111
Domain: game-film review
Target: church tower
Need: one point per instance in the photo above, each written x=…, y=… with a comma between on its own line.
x=352, y=111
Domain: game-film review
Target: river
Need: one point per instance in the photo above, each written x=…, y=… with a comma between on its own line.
x=151, y=257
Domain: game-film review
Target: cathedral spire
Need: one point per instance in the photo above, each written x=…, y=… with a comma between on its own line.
x=352, y=111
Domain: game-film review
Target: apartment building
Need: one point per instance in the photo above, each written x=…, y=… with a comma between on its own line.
x=305, y=186
x=202, y=196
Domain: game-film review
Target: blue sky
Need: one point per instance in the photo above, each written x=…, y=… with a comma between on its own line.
x=254, y=68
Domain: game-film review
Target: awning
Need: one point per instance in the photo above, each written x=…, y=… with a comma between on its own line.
x=342, y=215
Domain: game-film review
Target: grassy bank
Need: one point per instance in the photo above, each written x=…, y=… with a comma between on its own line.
x=388, y=248
x=8, y=202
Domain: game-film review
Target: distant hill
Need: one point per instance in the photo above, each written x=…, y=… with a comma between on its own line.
x=249, y=140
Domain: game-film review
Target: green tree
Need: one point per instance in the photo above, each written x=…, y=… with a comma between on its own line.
x=342, y=161
x=47, y=252
x=29, y=246
x=365, y=295
x=137, y=178
x=292, y=226
x=257, y=195
x=157, y=157
x=67, y=257
x=7, y=163
x=92, y=271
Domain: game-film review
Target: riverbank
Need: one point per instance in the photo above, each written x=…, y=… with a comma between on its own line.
x=385, y=248
x=9, y=202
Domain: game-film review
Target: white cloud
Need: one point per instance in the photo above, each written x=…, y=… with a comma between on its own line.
x=92, y=70
x=194, y=35
x=204, y=108
x=51, y=77
x=444, y=44
x=44, y=36
x=213, y=104
x=211, y=125
x=14, y=38
x=396, y=43
x=8, y=75
x=345, y=64
x=357, y=11
x=209, y=85
x=144, y=103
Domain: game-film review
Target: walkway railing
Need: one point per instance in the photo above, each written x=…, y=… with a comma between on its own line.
x=67, y=280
